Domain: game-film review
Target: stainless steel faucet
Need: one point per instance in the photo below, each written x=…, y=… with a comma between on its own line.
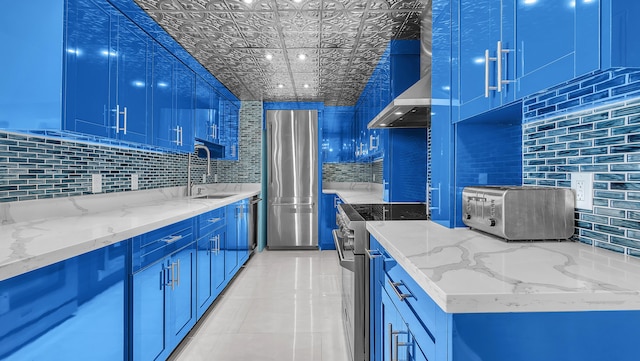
x=189, y=167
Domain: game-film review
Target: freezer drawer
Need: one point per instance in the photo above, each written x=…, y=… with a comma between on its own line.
x=292, y=226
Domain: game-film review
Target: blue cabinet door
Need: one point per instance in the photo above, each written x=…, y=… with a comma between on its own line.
x=218, y=273
x=545, y=38
x=205, y=271
x=91, y=58
x=148, y=312
x=243, y=231
x=181, y=294
x=393, y=333
x=185, y=104
x=231, y=242
x=165, y=131
x=132, y=83
x=482, y=25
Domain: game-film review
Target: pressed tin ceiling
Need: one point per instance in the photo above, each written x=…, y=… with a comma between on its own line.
x=341, y=39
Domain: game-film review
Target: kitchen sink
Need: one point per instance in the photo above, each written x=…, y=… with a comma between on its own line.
x=214, y=196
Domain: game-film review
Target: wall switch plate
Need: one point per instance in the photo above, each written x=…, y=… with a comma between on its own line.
x=204, y=178
x=134, y=182
x=96, y=183
x=215, y=178
x=582, y=184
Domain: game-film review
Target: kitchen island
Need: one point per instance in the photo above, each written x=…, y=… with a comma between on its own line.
x=480, y=298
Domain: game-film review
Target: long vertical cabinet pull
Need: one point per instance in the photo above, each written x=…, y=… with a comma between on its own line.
x=178, y=131
x=394, y=346
x=487, y=59
x=499, y=53
x=124, y=117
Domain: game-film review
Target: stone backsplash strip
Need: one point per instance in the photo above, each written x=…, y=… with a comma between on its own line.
x=39, y=167
x=605, y=141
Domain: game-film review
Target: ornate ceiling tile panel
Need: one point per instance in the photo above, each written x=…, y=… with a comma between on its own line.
x=342, y=40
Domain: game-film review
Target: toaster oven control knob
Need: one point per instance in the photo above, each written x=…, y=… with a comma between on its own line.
x=491, y=222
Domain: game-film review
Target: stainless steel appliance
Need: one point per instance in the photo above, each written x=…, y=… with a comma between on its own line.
x=352, y=241
x=520, y=213
x=292, y=179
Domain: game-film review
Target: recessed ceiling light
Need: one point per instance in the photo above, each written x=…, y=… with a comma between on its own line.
x=297, y=1
x=280, y=86
x=306, y=85
x=269, y=56
x=398, y=113
x=302, y=56
x=247, y=1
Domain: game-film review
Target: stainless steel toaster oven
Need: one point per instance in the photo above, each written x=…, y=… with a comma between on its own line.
x=520, y=212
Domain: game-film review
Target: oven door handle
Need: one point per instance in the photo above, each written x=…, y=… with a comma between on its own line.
x=344, y=263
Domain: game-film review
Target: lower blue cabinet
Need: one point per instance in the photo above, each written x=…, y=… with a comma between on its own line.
x=237, y=245
x=163, y=304
x=210, y=273
x=71, y=310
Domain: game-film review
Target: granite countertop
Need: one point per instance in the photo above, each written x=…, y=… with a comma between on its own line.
x=38, y=233
x=465, y=271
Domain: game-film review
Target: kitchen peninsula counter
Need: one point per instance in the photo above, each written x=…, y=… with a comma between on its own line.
x=34, y=234
x=465, y=271
x=355, y=193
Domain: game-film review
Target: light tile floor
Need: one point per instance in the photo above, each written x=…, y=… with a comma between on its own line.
x=285, y=305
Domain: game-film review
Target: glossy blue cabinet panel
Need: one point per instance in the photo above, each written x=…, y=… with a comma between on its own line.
x=243, y=231
x=150, y=339
x=165, y=131
x=329, y=203
x=74, y=309
x=231, y=244
x=185, y=105
x=545, y=44
x=587, y=33
x=337, y=135
x=405, y=166
x=90, y=61
x=30, y=89
x=205, y=291
x=482, y=25
x=182, y=298
x=620, y=24
x=134, y=57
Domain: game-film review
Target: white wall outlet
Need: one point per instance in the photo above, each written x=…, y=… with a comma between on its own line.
x=204, y=178
x=96, y=183
x=582, y=184
x=134, y=182
x=215, y=178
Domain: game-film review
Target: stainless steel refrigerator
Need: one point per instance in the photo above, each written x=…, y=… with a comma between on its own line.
x=292, y=179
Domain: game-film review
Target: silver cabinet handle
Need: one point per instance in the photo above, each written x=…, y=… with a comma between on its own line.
x=178, y=273
x=181, y=129
x=487, y=59
x=171, y=239
x=401, y=296
x=118, y=113
x=213, y=220
x=373, y=253
x=391, y=342
x=499, y=53
x=214, y=131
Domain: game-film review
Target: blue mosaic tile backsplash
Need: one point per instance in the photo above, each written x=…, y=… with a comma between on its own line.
x=594, y=129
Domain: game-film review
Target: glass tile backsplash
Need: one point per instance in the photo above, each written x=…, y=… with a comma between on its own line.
x=39, y=167
x=599, y=135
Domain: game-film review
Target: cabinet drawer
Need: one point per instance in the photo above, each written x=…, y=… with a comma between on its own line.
x=211, y=220
x=154, y=245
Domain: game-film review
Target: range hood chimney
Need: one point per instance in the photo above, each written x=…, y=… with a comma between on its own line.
x=412, y=108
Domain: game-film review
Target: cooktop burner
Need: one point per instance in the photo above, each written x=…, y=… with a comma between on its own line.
x=391, y=211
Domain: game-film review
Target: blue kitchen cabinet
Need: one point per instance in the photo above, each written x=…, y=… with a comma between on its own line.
x=237, y=245
x=337, y=135
x=546, y=36
x=163, y=290
x=210, y=273
x=426, y=332
x=243, y=231
x=328, y=220
x=404, y=169
x=108, y=90
x=485, y=28
x=72, y=310
x=229, y=124
x=173, y=102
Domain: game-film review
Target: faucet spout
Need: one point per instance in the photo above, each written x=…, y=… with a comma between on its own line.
x=189, y=185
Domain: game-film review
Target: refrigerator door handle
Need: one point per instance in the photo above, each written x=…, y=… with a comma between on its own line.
x=293, y=204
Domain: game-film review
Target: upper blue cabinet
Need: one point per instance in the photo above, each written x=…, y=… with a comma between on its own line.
x=509, y=49
x=337, y=135
x=487, y=60
x=108, y=74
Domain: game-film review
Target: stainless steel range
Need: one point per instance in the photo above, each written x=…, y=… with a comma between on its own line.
x=352, y=240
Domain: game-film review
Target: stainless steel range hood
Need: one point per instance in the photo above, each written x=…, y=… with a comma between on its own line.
x=412, y=108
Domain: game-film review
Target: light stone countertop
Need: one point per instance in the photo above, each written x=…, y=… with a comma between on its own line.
x=465, y=271
x=39, y=233
x=355, y=193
